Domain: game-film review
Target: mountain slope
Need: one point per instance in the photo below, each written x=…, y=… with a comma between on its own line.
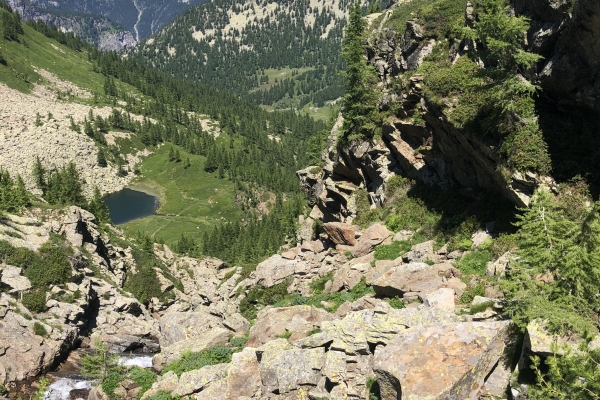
x=228, y=44
x=109, y=24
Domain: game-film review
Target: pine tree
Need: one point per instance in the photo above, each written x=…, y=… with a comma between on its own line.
x=359, y=98
x=98, y=207
x=39, y=175
x=101, y=158
x=171, y=154
x=177, y=157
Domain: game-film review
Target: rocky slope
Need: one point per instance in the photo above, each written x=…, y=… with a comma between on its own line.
x=419, y=140
x=22, y=140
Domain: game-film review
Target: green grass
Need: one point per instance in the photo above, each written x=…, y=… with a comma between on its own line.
x=34, y=50
x=280, y=74
x=392, y=251
x=191, y=199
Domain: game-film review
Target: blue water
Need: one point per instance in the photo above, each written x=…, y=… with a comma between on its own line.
x=127, y=205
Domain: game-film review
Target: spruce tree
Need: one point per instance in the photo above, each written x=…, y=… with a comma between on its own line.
x=171, y=154
x=101, y=158
x=359, y=99
x=177, y=156
x=39, y=175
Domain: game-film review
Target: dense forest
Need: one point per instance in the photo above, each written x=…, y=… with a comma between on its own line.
x=214, y=47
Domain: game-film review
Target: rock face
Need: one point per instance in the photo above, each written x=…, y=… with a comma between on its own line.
x=444, y=362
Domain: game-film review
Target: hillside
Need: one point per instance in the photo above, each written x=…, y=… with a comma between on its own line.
x=283, y=54
x=67, y=111
x=450, y=250
x=108, y=24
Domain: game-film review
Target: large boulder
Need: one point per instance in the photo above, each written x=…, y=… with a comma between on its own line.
x=359, y=331
x=297, y=320
x=174, y=352
x=341, y=233
x=449, y=362
x=417, y=278
x=371, y=237
x=176, y=326
x=243, y=378
x=274, y=270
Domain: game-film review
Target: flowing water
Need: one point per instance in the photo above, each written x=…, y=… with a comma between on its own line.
x=68, y=384
x=128, y=204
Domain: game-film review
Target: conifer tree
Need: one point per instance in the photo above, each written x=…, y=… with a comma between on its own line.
x=359, y=99
x=39, y=175
x=101, y=158
x=171, y=154
x=177, y=157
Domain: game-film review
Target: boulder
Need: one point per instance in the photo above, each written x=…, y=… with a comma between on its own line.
x=420, y=252
x=243, y=378
x=371, y=237
x=194, y=381
x=277, y=321
x=176, y=326
x=415, y=277
x=448, y=362
x=442, y=298
x=274, y=270
x=341, y=233
x=11, y=278
x=358, y=331
x=174, y=352
x=285, y=369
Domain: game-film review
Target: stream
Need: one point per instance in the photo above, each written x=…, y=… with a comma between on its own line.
x=68, y=384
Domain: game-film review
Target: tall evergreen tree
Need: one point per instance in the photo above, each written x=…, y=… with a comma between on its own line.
x=359, y=99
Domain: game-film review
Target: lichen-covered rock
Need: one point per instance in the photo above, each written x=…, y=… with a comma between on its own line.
x=194, y=381
x=297, y=320
x=211, y=338
x=243, y=378
x=447, y=362
x=274, y=270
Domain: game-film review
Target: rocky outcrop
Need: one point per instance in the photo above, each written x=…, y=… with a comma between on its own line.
x=21, y=141
x=459, y=358
x=565, y=34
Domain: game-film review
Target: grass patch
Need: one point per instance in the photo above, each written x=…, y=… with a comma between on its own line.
x=469, y=294
x=392, y=251
x=196, y=360
x=40, y=330
x=477, y=308
x=191, y=199
x=474, y=263
x=397, y=303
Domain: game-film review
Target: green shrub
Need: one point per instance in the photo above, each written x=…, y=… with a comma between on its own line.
x=261, y=296
x=52, y=267
x=145, y=285
x=3, y=389
x=477, y=308
x=392, y=251
x=568, y=374
x=35, y=300
x=318, y=285
x=469, y=294
x=40, y=330
x=285, y=335
x=238, y=341
x=143, y=377
x=313, y=332
x=396, y=302
x=111, y=381
x=474, y=262
x=364, y=214
x=191, y=361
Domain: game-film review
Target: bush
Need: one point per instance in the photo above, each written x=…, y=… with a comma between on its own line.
x=397, y=303
x=51, y=268
x=40, y=330
x=143, y=377
x=474, y=262
x=261, y=296
x=145, y=285
x=191, y=361
x=469, y=294
x=35, y=300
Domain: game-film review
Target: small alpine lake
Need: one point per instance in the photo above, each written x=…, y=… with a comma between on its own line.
x=129, y=204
